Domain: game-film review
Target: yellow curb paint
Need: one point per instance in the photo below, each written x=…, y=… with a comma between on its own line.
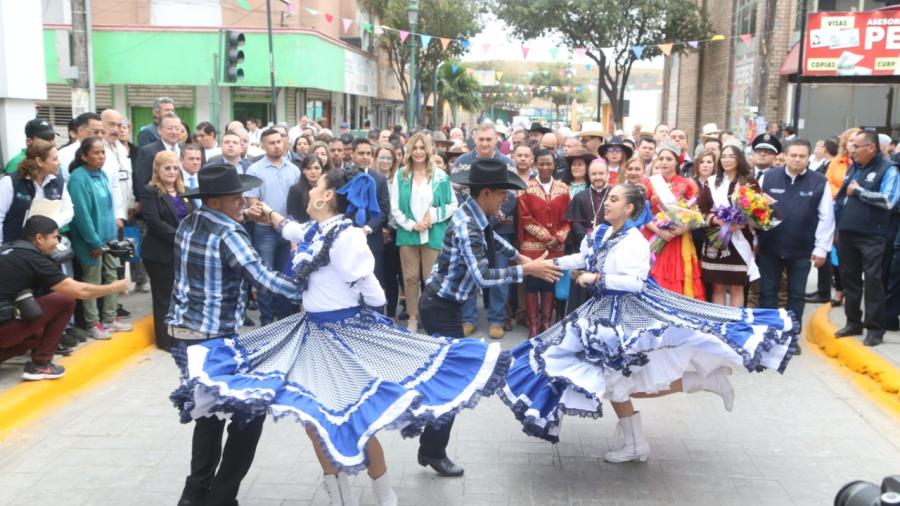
x=90, y=363
x=874, y=376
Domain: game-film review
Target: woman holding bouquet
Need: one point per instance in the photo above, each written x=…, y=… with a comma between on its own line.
x=728, y=260
x=676, y=267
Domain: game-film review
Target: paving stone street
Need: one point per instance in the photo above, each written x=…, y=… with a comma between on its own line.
x=792, y=439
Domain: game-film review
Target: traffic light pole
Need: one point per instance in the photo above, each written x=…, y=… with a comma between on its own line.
x=272, y=63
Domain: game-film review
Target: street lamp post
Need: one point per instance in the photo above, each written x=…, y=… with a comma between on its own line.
x=413, y=13
x=434, y=97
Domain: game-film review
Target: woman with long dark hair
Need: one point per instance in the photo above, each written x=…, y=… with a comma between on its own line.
x=729, y=268
x=298, y=195
x=94, y=224
x=339, y=368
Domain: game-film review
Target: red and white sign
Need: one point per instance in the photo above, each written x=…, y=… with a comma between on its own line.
x=853, y=43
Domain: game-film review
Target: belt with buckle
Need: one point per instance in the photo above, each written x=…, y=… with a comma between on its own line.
x=188, y=334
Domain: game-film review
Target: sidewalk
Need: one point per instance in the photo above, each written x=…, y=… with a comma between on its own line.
x=888, y=350
x=11, y=370
x=792, y=439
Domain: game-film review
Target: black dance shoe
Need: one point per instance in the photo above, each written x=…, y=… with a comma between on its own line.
x=444, y=466
x=874, y=338
x=849, y=330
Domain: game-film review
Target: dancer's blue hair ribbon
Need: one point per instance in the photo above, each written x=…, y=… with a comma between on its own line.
x=360, y=192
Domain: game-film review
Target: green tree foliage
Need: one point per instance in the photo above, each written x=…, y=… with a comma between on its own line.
x=459, y=90
x=452, y=19
x=617, y=25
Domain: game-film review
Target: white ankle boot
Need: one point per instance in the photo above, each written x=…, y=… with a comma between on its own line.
x=716, y=383
x=384, y=494
x=339, y=491
x=636, y=447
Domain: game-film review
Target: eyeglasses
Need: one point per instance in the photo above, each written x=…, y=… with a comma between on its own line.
x=385, y=159
x=614, y=149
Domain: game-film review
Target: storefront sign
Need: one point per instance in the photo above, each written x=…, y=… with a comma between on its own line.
x=853, y=44
x=359, y=72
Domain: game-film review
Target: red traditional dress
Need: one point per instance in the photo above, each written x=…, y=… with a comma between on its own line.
x=542, y=217
x=677, y=267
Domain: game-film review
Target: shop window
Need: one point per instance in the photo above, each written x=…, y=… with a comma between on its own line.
x=315, y=109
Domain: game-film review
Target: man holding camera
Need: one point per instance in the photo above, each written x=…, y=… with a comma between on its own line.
x=36, y=324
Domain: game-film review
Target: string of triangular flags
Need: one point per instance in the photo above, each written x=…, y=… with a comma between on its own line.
x=554, y=51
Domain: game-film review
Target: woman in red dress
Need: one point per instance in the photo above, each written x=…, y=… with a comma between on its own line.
x=677, y=267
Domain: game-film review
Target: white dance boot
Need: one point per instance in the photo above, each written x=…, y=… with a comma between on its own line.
x=636, y=447
x=716, y=383
x=339, y=491
x=384, y=494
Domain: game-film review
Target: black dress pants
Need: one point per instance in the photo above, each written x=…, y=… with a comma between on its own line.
x=162, y=277
x=393, y=277
x=438, y=316
x=216, y=474
x=862, y=254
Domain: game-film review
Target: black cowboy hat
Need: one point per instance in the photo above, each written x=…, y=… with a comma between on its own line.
x=537, y=127
x=218, y=179
x=489, y=173
x=616, y=141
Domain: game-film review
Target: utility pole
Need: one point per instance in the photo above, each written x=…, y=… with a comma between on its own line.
x=81, y=97
x=272, y=63
x=795, y=115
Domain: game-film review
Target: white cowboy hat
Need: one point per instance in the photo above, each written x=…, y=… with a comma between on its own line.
x=710, y=129
x=592, y=129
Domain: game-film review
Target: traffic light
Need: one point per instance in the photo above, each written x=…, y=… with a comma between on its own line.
x=233, y=56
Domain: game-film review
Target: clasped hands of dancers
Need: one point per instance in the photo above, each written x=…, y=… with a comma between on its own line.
x=344, y=371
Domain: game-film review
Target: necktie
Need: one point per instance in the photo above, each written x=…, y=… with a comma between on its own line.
x=491, y=248
x=192, y=185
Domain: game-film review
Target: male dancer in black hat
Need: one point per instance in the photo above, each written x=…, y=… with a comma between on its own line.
x=214, y=265
x=466, y=262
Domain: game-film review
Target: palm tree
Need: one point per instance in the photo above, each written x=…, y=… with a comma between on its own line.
x=456, y=88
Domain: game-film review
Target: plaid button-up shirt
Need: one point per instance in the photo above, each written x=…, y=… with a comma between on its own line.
x=463, y=262
x=214, y=266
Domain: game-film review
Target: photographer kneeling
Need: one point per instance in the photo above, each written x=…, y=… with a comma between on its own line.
x=36, y=324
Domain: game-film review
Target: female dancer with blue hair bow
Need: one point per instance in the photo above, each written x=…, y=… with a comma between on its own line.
x=339, y=368
x=634, y=339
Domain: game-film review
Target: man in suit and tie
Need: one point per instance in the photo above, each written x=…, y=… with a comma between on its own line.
x=765, y=148
x=169, y=131
x=363, y=156
x=190, y=166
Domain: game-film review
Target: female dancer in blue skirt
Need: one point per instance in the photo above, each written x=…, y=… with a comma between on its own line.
x=340, y=368
x=635, y=339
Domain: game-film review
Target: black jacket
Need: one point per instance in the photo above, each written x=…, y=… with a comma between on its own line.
x=142, y=166
x=162, y=221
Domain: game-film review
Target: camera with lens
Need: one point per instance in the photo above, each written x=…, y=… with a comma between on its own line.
x=119, y=248
x=63, y=251
x=864, y=493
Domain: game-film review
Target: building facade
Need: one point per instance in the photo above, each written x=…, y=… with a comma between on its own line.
x=144, y=49
x=745, y=82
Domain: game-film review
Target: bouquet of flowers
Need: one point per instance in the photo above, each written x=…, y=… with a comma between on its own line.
x=748, y=207
x=755, y=206
x=683, y=213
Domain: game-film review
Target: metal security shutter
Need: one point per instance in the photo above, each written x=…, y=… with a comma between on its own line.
x=139, y=95
x=291, y=105
x=241, y=92
x=61, y=94
x=313, y=94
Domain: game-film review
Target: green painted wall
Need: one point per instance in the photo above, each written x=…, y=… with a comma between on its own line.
x=186, y=58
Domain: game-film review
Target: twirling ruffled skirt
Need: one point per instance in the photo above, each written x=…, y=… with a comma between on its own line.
x=348, y=373
x=617, y=344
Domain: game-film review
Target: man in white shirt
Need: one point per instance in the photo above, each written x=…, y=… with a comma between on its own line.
x=117, y=165
x=87, y=124
x=208, y=139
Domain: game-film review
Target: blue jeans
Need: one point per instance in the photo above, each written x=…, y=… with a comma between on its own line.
x=470, y=309
x=275, y=253
x=498, y=295
x=770, y=269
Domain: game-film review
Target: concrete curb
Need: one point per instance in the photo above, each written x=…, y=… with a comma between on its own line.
x=879, y=378
x=27, y=400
